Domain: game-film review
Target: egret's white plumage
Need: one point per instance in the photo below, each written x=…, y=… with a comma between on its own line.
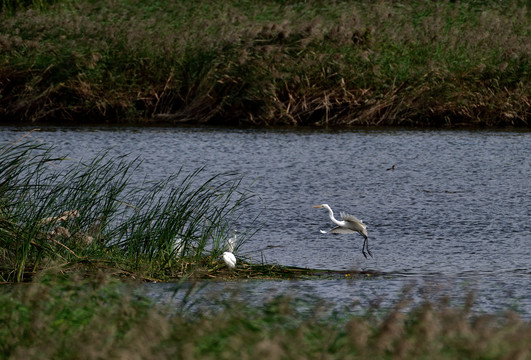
x=347, y=225
x=229, y=259
x=231, y=242
x=178, y=246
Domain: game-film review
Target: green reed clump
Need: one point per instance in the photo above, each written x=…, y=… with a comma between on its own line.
x=66, y=317
x=269, y=63
x=54, y=210
x=169, y=224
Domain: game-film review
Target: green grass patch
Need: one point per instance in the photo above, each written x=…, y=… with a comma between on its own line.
x=267, y=63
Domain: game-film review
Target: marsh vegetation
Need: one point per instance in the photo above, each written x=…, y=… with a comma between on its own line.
x=266, y=63
x=61, y=316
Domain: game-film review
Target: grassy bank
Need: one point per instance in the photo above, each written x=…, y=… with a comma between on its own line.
x=266, y=63
x=63, y=318
x=60, y=213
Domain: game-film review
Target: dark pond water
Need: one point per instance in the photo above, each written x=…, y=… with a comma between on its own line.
x=453, y=216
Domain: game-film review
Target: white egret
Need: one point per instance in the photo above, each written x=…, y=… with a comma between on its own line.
x=231, y=242
x=347, y=225
x=229, y=259
x=177, y=246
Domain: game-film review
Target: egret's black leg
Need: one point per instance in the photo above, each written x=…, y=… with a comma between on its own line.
x=367, y=246
x=363, y=250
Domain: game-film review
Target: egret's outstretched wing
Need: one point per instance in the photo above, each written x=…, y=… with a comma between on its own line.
x=354, y=223
x=351, y=218
x=339, y=230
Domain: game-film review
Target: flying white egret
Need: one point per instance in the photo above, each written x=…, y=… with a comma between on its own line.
x=229, y=259
x=347, y=225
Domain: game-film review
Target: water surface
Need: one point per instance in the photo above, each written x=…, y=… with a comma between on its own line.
x=453, y=215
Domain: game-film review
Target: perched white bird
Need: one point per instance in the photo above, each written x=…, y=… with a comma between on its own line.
x=178, y=246
x=347, y=225
x=229, y=259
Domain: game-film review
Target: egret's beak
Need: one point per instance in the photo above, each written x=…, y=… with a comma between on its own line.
x=316, y=206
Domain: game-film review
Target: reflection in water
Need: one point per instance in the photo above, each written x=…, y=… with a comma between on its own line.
x=453, y=211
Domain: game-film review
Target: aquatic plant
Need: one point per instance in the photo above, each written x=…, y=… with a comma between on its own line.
x=57, y=211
